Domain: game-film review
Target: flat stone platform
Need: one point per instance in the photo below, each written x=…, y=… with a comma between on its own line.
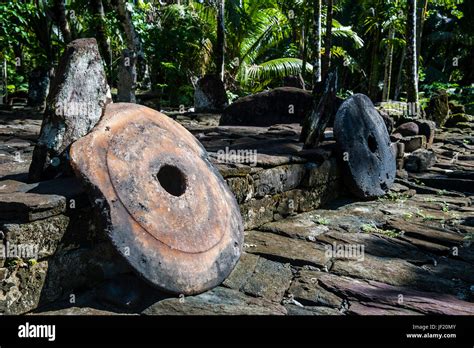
x=310, y=249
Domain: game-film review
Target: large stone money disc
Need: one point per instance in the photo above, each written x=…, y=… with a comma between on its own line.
x=166, y=208
x=362, y=137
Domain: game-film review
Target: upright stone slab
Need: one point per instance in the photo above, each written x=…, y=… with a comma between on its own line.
x=362, y=137
x=38, y=87
x=210, y=94
x=165, y=207
x=74, y=106
x=438, y=108
x=127, y=77
x=318, y=119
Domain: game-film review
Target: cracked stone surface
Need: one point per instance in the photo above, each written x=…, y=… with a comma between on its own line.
x=310, y=248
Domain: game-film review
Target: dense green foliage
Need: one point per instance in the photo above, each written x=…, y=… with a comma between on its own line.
x=266, y=40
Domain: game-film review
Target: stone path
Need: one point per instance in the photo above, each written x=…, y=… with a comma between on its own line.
x=410, y=252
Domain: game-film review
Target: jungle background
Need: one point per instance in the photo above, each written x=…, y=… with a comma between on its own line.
x=176, y=42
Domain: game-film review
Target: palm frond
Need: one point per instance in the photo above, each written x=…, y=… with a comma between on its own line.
x=270, y=70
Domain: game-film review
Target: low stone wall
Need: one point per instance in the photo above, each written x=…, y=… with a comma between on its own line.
x=57, y=243
x=273, y=194
x=74, y=254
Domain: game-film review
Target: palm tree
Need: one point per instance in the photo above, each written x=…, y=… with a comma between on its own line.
x=391, y=24
x=328, y=39
x=412, y=64
x=102, y=39
x=60, y=9
x=317, y=41
x=220, y=47
x=128, y=70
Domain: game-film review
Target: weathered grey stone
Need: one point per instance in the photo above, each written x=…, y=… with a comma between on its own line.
x=420, y=160
x=408, y=129
x=277, y=180
x=44, y=234
x=242, y=271
x=38, y=87
x=280, y=105
x=323, y=110
x=303, y=226
x=369, y=165
x=123, y=292
x=21, y=288
x=270, y=161
x=283, y=249
x=228, y=171
x=82, y=311
x=78, y=94
x=127, y=76
x=242, y=188
x=317, y=175
x=438, y=108
x=375, y=244
x=456, y=108
x=306, y=290
x=30, y=206
x=428, y=129
x=373, y=293
x=444, y=182
x=394, y=272
x=12, y=186
x=465, y=126
x=210, y=94
x=257, y=212
x=270, y=280
x=435, y=234
x=452, y=269
x=373, y=308
x=455, y=119
x=389, y=121
x=218, y=301
x=414, y=143
x=79, y=268
x=308, y=311
x=400, y=151
x=395, y=137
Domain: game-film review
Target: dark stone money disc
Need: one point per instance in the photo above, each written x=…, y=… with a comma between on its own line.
x=166, y=208
x=362, y=137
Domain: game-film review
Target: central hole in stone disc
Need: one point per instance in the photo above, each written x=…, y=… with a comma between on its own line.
x=172, y=180
x=372, y=143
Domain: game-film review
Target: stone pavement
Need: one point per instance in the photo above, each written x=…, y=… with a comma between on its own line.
x=309, y=248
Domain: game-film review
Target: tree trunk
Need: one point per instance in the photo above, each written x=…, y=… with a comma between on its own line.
x=304, y=57
x=60, y=8
x=102, y=39
x=412, y=66
x=317, y=46
x=388, y=67
x=128, y=69
x=398, y=87
x=328, y=40
x=220, y=47
x=419, y=30
x=305, y=32
x=4, y=82
x=374, y=73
